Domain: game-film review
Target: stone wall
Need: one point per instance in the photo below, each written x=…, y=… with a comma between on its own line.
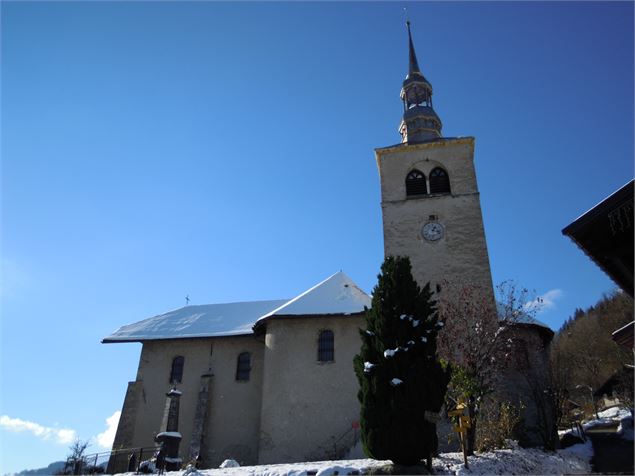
x=233, y=407
x=125, y=436
x=461, y=255
x=525, y=382
x=308, y=405
x=233, y=421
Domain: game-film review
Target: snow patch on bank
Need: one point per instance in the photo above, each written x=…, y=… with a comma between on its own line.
x=622, y=417
x=515, y=460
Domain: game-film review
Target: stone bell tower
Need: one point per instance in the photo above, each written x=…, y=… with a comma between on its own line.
x=429, y=197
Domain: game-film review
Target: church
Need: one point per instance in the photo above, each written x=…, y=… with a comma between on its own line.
x=273, y=381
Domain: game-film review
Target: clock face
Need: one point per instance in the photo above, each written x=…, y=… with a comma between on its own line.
x=432, y=231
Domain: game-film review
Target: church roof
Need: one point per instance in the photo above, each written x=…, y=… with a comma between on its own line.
x=521, y=317
x=337, y=294
x=207, y=320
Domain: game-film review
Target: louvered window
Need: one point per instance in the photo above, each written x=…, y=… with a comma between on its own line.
x=326, y=347
x=176, y=374
x=243, y=366
x=416, y=184
x=439, y=181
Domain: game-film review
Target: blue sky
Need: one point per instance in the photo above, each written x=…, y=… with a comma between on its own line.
x=225, y=151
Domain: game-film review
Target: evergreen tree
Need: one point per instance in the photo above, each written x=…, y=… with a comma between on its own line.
x=402, y=383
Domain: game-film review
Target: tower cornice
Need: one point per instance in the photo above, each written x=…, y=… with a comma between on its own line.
x=432, y=144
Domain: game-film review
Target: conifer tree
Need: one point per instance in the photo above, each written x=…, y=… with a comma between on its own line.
x=402, y=383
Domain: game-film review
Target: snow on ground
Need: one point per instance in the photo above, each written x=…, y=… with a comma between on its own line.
x=574, y=460
x=621, y=417
x=515, y=460
x=614, y=413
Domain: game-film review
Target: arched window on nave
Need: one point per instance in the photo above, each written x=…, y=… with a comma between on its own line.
x=176, y=372
x=243, y=366
x=326, y=346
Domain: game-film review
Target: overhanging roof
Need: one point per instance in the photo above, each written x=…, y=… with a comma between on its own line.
x=605, y=234
x=624, y=335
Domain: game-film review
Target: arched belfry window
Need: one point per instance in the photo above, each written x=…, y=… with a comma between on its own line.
x=176, y=373
x=243, y=366
x=439, y=181
x=416, y=184
x=326, y=346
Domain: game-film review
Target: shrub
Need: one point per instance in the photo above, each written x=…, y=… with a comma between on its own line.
x=498, y=423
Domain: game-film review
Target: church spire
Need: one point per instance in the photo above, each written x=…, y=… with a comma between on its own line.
x=420, y=123
x=413, y=66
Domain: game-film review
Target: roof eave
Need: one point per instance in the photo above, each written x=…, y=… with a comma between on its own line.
x=545, y=332
x=110, y=340
x=623, y=193
x=258, y=325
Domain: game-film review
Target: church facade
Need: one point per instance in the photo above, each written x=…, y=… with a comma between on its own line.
x=258, y=382
x=273, y=381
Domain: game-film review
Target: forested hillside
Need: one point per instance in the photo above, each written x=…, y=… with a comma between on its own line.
x=583, y=353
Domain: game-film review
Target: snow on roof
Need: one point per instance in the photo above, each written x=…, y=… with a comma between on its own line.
x=208, y=320
x=337, y=294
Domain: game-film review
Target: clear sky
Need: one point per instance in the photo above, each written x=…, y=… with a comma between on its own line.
x=225, y=151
